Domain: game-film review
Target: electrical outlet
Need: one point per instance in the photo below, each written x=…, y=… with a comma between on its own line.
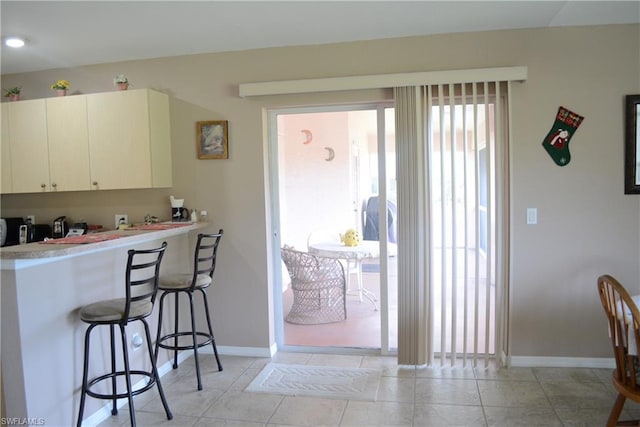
x=136, y=342
x=121, y=219
x=31, y=219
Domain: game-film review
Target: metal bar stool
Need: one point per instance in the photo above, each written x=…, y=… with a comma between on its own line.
x=188, y=283
x=141, y=286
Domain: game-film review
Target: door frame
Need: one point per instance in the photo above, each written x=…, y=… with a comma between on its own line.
x=274, y=209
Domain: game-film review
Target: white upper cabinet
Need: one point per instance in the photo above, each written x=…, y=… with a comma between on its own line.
x=103, y=141
x=27, y=140
x=5, y=153
x=129, y=139
x=68, y=138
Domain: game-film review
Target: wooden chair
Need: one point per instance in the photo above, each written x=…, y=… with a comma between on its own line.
x=624, y=330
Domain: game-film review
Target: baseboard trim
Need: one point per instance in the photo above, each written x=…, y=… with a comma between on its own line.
x=240, y=351
x=561, y=362
x=504, y=359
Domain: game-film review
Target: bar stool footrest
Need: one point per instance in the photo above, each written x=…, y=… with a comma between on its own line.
x=164, y=338
x=96, y=380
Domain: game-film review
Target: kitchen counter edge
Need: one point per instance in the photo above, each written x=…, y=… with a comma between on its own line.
x=39, y=250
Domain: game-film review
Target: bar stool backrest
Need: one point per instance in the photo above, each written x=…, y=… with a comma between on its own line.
x=205, y=255
x=141, y=276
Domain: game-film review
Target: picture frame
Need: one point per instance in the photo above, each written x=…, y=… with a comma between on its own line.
x=632, y=145
x=213, y=139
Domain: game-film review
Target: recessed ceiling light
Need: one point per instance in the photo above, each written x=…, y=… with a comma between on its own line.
x=14, y=42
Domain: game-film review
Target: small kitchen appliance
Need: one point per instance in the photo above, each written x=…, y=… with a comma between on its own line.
x=33, y=233
x=23, y=234
x=12, y=234
x=39, y=232
x=3, y=231
x=60, y=227
x=178, y=212
x=78, y=229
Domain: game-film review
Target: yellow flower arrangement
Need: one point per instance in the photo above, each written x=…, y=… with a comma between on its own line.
x=61, y=84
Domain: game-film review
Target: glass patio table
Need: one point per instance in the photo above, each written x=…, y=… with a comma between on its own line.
x=353, y=256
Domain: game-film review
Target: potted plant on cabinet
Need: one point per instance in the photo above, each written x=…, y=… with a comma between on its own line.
x=61, y=87
x=13, y=93
x=121, y=82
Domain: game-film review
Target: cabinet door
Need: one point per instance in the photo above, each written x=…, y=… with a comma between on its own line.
x=5, y=171
x=68, y=138
x=28, y=145
x=160, y=131
x=119, y=142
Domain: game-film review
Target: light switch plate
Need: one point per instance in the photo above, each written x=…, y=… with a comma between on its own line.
x=532, y=216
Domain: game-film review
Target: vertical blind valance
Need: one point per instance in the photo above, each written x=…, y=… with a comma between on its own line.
x=382, y=81
x=464, y=91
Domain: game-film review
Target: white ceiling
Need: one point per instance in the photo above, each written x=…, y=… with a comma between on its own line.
x=73, y=33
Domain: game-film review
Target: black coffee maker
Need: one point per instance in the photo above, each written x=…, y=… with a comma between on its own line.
x=179, y=214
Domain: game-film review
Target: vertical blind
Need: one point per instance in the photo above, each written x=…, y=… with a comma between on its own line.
x=452, y=278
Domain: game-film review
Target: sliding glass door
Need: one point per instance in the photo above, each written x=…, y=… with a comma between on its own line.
x=332, y=168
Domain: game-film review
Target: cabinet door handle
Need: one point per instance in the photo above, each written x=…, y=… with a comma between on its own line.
x=43, y=186
x=55, y=186
x=95, y=184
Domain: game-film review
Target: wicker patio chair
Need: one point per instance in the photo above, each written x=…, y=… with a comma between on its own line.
x=319, y=288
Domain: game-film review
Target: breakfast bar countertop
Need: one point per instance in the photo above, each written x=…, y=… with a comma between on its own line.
x=44, y=285
x=98, y=241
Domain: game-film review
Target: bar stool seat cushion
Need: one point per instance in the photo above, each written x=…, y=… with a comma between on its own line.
x=183, y=281
x=113, y=310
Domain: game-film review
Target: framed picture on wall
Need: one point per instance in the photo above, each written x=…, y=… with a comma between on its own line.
x=632, y=145
x=213, y=139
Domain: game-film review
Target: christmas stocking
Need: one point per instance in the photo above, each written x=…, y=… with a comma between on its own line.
x=557, y=140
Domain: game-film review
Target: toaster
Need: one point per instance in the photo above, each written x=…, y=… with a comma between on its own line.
x=60, y=227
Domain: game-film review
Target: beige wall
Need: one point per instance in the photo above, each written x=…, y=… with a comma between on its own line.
x=586, y=225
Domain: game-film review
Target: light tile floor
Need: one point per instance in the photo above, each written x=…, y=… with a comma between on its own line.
x=408, y=396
